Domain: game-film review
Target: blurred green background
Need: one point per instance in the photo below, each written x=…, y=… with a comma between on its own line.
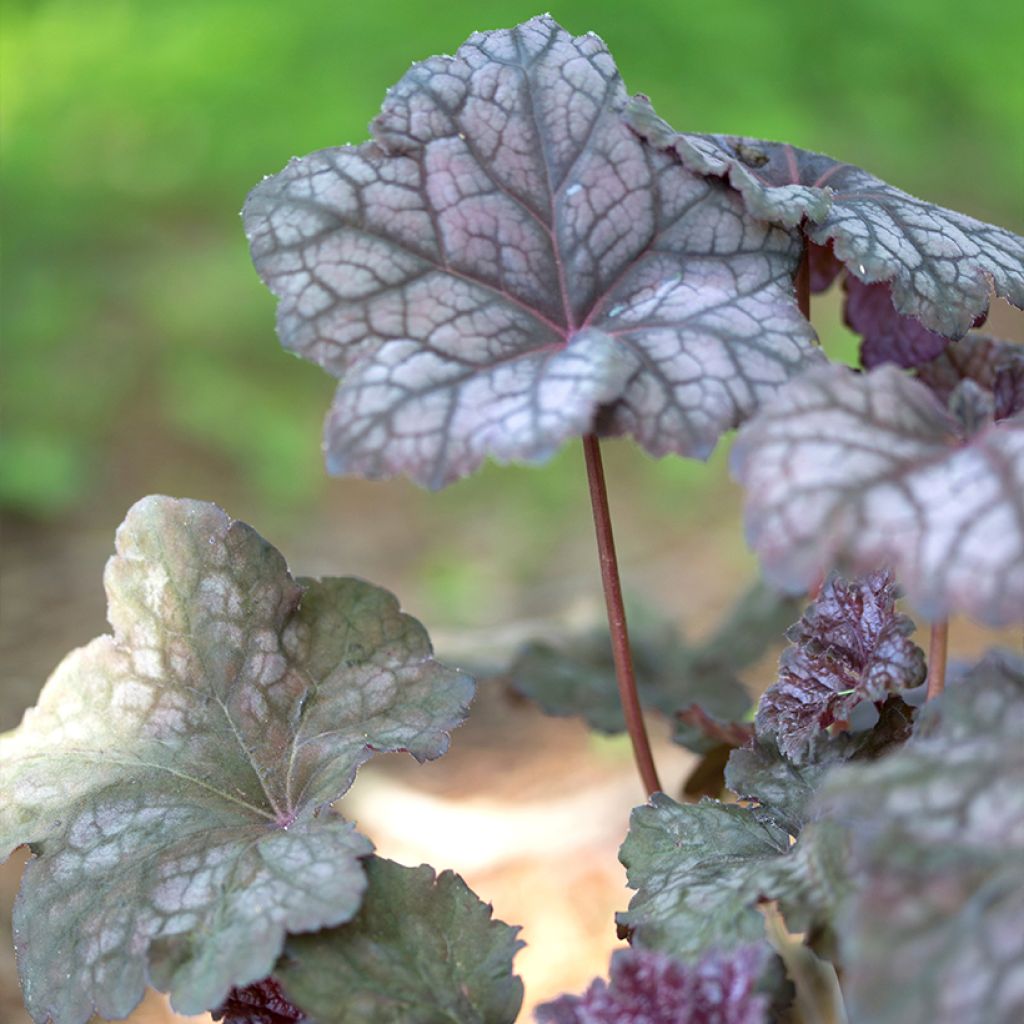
x=138, y=346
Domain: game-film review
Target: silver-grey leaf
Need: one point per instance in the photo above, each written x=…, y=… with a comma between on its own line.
x=505, y=260
x=867, y=470
x=943, y=265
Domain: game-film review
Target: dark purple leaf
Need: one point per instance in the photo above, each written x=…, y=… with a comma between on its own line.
x=505, y=260
x=932, y=929
x=650, y=988
x=850, y=646
x=175, y=778
x=942, y=265
x=824, y=267
x=997, y=366
x=867, y=470
x=263, y=1002
x=887, y=337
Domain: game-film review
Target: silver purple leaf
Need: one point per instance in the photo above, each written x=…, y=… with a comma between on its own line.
x=173, y=780
x=645, y=987
x=422, y=948
x=942, y=265
x=505, y=264
x=850, y=645
x=701, y=870
x=866, y=470
x=932, y=930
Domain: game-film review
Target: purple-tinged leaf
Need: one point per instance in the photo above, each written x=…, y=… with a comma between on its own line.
x=824, y=267
x=867, y=470
x=422, y=949
x=942, y=265
x=645, y=987
x=505, y=260
x=886, y=336
x=700, y=871
x=173, y=779
x=784, y=789
x=997, y=366
x=851, y=645
x=577, y=676
x=932, y=930
x=262, y=1002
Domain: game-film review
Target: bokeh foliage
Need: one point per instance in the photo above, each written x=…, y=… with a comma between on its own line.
x=132, y=131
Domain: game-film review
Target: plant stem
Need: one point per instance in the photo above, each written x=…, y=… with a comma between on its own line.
x=937, y=648
x=803, y=282
x=624, y=674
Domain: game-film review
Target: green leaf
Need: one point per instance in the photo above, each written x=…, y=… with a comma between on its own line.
x=700, y=871
x=932, y=931
x=577, y=677
x=174, y=778
x=422, y=950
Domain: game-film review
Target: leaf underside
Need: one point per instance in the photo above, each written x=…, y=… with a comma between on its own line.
x=865, y=470
x=422, y=949
x=942, y=266
x=506, y=260
x=173, y=779
x=932, y=931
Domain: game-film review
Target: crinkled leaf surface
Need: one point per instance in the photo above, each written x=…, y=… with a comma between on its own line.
x=851, y=645
x=650, y=988
x=701, y=869
x=505, y=260
x=173, y=778
x=997, y=366
x=422, y=949
x=578, y=676
x=262, y=1002
x=784, y=790
x=942, y=265
x=933, y=930
x=869, y=470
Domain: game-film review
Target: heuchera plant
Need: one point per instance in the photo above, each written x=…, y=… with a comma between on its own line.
x=520, y=256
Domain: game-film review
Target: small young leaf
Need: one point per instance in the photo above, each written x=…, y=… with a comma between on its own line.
x=701, y=870
x=174, y=778
x=650, y=988
x=263, y=1002
x=941, y=265
x=932, y=930
x=505, y=260
x=997, y=366
x=850, y=646
x=421, y=949
x=578, y=676
x=869, y=470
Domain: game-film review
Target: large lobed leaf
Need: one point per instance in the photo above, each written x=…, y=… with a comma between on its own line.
x=506, y=266
x=650, y=988
x=174, y=778
x=941, y=265
x=422, y=949
x=850, y=646
x=701, y=680
x=869, y=470
x=700, y=871
x=932, y=932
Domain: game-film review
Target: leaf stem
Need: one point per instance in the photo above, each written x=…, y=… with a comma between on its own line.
x=624, y=674
x=803, y=282
x=937, y=648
